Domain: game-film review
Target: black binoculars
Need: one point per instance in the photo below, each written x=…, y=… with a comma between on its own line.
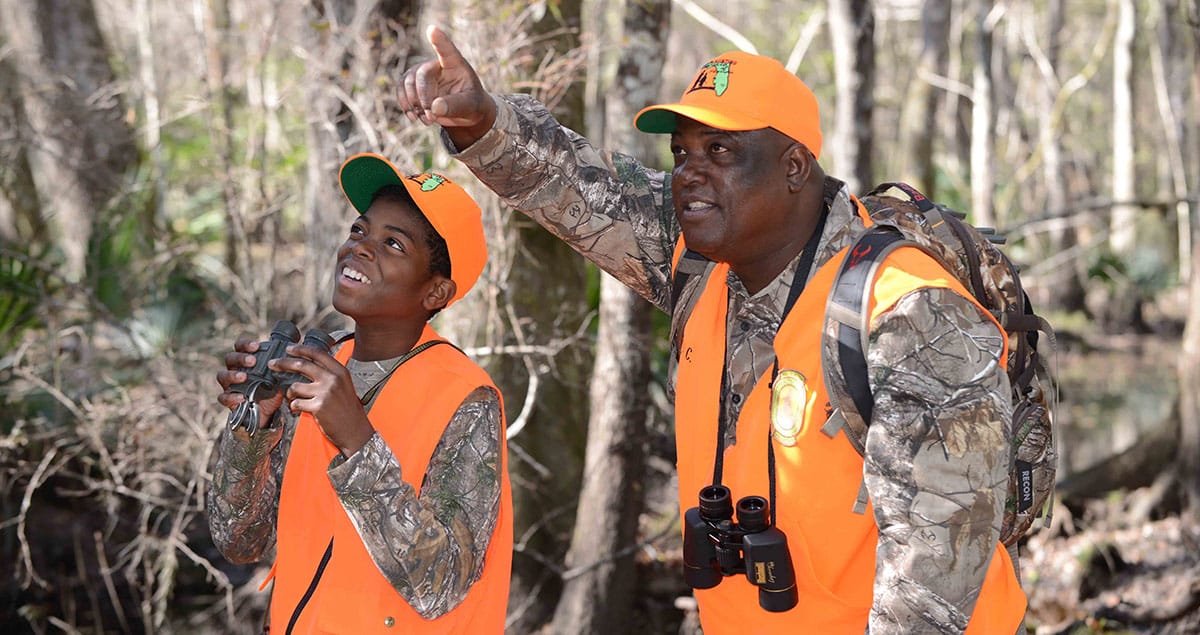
x=715, y=547
x=264, y=383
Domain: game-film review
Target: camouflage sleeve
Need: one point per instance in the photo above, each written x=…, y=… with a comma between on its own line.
x=935, y=465
x=243, y=501
x=607, y=206
x=430, y=547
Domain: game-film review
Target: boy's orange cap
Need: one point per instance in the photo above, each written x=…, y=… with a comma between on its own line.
x=452, y=212
x=743, y=91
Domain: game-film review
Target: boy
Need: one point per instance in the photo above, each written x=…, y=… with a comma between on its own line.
x=381, y=488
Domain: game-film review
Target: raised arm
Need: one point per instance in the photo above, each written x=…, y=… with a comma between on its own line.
x=610, y=208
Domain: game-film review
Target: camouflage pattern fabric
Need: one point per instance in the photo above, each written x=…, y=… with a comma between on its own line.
x=932, y=469
x=430, y=548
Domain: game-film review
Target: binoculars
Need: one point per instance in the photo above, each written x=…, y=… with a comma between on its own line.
x=714, y=547
x=264, y=383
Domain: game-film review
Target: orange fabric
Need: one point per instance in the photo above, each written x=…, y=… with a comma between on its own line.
x=352, y=596
x=742, y=91
x=832, y=548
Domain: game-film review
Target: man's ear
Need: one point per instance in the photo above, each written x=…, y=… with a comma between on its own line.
x=441, y=290
x=800, y=163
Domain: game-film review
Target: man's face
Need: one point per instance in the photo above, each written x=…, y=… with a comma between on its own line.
x=731, y=192
x=383, y=271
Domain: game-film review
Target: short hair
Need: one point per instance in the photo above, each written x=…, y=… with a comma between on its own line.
x=439, y=254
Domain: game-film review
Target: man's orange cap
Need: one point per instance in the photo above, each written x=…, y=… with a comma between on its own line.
x=452, y=212
x=743, y=91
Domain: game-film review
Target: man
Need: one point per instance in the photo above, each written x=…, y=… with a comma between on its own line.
x=747, y=194
x=383, y=494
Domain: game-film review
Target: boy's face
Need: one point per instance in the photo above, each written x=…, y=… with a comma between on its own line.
x=383, y=272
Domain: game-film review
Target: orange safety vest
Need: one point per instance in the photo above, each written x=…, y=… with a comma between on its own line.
x=347, y=593
x=817, y=479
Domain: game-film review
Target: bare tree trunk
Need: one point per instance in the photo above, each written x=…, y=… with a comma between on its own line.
x=920, y=113
x=20, y=210
x=1171, y=103
x=852, y=32
x=1122, y=232
x=953, y=127
x=1008, y=131
x=328, y=46
x=983, y=118
x=599, y=587
x=148, y=79
x=213, y=23
x=536, y=303
x=355, y=54
x=1064, y=287
x=81, y=146
x=1189, y=379
x=1118, y=306
x=1189, y=361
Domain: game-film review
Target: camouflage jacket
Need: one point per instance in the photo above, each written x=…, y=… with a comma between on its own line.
x=931, y=467
x=430, y=547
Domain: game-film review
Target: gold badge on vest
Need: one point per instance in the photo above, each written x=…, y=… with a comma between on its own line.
x=789, y=401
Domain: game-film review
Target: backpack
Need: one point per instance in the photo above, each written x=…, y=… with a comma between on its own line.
x=903, y=216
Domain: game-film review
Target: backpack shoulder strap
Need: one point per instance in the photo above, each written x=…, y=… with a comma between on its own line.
x=846, y=315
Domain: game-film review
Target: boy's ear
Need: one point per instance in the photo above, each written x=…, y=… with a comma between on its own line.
x=440, y=291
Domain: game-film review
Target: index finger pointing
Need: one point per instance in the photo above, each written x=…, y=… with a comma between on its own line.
x=447, y=53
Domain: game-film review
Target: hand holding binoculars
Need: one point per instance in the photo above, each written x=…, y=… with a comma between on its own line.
x=262, y=382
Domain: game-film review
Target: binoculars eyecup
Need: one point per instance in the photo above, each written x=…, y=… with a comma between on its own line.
x=753, y=513
x=716, y=503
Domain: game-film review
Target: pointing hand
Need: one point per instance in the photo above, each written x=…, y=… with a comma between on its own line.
x=447, y=91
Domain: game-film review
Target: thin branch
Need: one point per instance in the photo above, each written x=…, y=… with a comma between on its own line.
x=39, y=476
x=669, y=527
x=1070, y=87
x=58, y=395
x=81, y=571
x=520, y=453
x=521, y=546
x=359, y=116
x=66, y=628
x=547, y=350
x=106, y=573
x=1163, y=205
x=531, y=390
x=947, y=84
x=807, y=34
x=522, y=419
x=716, y=26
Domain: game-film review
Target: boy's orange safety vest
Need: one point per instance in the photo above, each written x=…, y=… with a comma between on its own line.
x=344, y=592
x=817, y=477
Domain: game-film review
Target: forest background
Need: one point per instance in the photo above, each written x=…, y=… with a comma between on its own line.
x=168, y=184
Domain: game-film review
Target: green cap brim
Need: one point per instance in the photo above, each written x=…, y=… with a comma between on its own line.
x=362, y=177
x=656, y=121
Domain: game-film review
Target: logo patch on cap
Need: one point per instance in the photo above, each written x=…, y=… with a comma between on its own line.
x=713, y=76
x=429, y=182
